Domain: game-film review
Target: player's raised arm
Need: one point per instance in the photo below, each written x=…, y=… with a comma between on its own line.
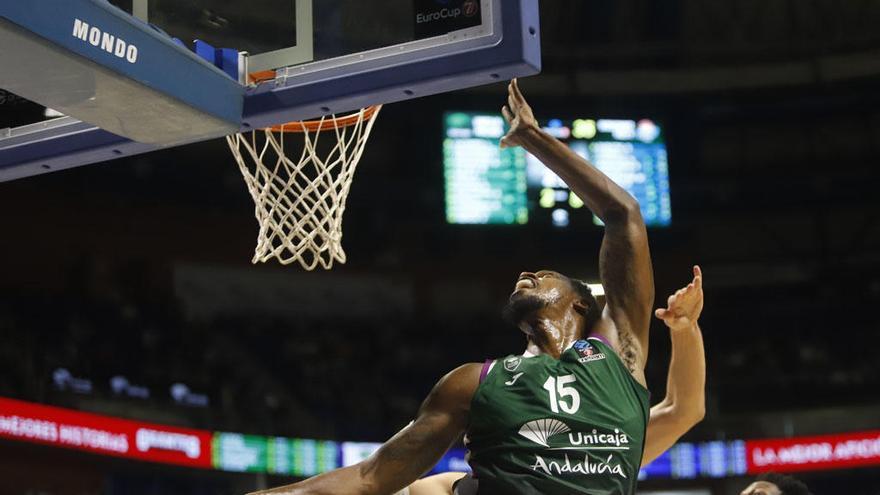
x=624, y=259
x=685, y=401
x=408, y=454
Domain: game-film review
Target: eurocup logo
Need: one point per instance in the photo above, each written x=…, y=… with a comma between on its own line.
x=587, y=352
x=583, y=348
x=450, y=11
x=470, y=8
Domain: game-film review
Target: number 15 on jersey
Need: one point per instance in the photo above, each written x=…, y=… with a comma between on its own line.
x=562, y=394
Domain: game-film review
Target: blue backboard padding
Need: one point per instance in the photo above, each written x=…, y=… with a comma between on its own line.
x=206, y=51
x=514, y=53
x=82, y=145
x=161, y=64
x=454, y=460
x=227, y=61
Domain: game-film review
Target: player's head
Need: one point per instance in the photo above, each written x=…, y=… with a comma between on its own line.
x=776, y=484
x=549, y=294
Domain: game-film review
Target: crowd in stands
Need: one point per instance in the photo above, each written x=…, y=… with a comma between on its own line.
x=362, y=379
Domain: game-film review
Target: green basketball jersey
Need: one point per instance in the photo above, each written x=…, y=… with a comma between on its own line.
x=575, y=425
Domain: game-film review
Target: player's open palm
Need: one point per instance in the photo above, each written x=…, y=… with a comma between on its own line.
x=518, y=115
x=684, y=307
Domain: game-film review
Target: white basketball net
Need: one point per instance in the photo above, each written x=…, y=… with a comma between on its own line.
x=299, y=201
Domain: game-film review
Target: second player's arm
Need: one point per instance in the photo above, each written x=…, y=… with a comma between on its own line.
x=408, y=454
x=685, y=402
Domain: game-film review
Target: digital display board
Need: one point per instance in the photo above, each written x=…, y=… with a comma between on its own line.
x=485, y=184
x=276, y=455
x=242, y=453
x=454, y=460
x=142, y=441
x=311, y=457
x=817, y=453
x=355, y=452
x=104, y=435
x=698, y=460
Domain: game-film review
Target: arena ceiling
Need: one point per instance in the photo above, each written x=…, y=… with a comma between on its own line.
x=670, y=46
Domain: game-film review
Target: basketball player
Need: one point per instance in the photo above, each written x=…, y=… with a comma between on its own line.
x=681, y=409
x=776, y=484
x=569, y=415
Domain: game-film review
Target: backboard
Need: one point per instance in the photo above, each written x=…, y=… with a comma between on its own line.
x=132, y=78
x=286, y=33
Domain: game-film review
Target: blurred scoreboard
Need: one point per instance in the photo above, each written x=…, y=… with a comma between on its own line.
x=699, y=460
x=487, y=185
x=286, y=456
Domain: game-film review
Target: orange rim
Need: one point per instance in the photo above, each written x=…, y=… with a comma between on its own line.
x=325, y=124
x=261, y=76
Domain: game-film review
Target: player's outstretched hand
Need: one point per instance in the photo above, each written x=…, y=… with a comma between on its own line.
x=684, y=307
x=518, y=115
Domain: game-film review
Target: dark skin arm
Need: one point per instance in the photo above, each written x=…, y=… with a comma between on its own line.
x=408, y=454
x=685, y=401
x=624, y=258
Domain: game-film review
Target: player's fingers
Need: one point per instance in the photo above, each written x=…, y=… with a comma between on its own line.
x=516, y=92
x=508, y=116
x=698, y=276
x=512, y=103
x=660, y=313
x=670, y=301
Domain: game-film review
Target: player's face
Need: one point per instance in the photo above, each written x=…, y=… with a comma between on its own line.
x=761, y=488
x=546, y=285
x=538, y=290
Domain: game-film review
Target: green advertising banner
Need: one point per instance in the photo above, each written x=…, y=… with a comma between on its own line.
x=242, y=453
x=311, y=457
x=276, y=455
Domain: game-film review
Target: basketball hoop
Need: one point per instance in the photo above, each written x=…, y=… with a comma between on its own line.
x=299, y=192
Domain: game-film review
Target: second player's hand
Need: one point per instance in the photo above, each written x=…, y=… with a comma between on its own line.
x=684, y=307
x=518, y=115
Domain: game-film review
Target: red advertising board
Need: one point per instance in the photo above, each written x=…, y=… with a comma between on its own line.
x=141, y=441
x=814, y=453
x=104, y=435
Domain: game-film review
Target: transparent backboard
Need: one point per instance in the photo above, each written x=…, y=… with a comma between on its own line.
x=315, y=58
x=286, y=33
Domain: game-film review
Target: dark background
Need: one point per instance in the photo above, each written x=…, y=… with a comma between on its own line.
x=771, y=109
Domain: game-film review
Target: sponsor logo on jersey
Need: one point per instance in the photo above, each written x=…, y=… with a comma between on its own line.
x=558, y=467
x=541, y=431
x=512, y=363
x=514, y=379
x=548, y=433
x=587, y=352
